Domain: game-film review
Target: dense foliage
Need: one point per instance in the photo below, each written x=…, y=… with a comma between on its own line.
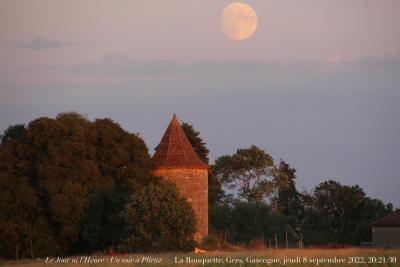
x=64, y=183
x=261, y=202
x=269, y=208
x=158, y=219
x=69, y=185
x=196, y=141
x=249, y=171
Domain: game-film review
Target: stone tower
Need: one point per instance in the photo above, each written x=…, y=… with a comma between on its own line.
x=176, y=161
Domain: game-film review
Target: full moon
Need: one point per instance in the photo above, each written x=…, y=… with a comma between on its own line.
x=238, y=21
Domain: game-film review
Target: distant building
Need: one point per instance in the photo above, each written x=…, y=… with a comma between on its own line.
x=386, y=231
x=176, y=161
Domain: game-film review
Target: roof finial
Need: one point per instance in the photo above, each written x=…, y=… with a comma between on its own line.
x=175, y=118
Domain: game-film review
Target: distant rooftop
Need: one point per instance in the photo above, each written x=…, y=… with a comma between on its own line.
x=390, y=220
x=175, y=150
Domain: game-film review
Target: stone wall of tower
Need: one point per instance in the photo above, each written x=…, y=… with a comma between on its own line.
x=193, y=185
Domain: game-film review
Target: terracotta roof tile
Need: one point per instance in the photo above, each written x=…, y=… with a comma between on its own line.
x=390, y=220
x=175, y=150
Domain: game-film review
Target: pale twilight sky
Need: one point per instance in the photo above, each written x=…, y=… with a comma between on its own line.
x=317, y=85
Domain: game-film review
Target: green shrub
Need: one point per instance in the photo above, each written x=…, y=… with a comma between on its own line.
x=157, y=218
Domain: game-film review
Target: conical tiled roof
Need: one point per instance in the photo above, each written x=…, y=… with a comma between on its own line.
x=175, y=150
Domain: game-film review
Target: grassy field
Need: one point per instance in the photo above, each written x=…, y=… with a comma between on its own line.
x=267, y=257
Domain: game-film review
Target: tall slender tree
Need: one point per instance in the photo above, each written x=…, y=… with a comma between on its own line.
x=288, y=200
x=196, y=141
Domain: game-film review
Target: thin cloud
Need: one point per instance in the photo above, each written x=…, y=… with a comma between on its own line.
x=304, y=74
x=123, y=65
x=39, y=43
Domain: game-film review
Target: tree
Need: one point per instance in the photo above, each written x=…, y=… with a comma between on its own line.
x=220, y=219
x=157, y=218
x=24, y=231
x=215, y=192
x=330, y=219
x=65, y=162
x=65, y=171
x=121, y=156
x=287, y=200
x=249, y=170
x=196, y=141
x=17, y=131
x=336, y=202
x=103, y=217
x=368, y=211
x=16, y=221
x=287, y=195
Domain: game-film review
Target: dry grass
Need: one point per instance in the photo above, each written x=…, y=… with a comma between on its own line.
x=314, y=257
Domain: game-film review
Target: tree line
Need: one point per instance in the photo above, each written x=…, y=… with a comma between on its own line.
x=69, y=185
x=253, y=199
